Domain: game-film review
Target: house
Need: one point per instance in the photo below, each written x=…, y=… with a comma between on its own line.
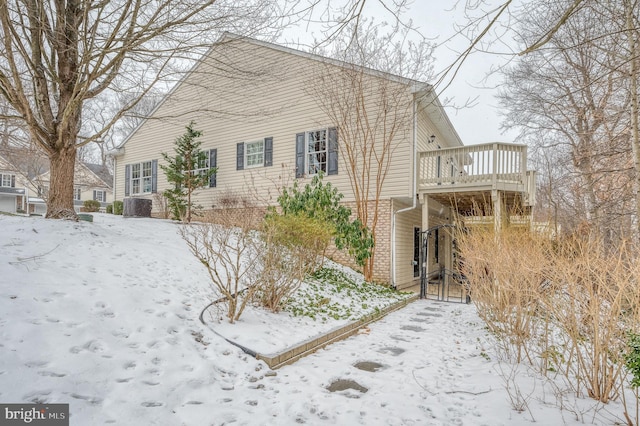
x=25, y=182
x=13, y=189
x=24, y=165
x=258, y=105
x=90, y=182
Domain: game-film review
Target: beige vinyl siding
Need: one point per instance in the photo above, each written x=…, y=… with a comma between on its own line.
x=86, y=193
x=405, y=223
x=269, y=100
x=425, y=129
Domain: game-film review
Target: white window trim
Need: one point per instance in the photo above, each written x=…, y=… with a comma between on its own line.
x=77, y=194
x=307, y=163
x=103, y=198
x=2, y=178
x=205, y=168
x=246, y=154
x=142, y=178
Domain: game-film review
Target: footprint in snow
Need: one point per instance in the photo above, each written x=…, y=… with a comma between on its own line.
x=391, y=350
x=412, y=328
x=95, y=346
x=32, y=364
x=50, y=374
x=93, y=400
x=38, y=397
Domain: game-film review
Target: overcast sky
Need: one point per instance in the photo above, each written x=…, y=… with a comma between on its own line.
x=437, y=20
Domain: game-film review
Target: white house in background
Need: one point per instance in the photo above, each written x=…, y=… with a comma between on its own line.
x=18, y=168
x=14, y=191
x=90, y=182
x=263, y=127
x=24, y=182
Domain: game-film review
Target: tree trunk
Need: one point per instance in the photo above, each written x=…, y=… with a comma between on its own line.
x=60, y=199
x=635, y=108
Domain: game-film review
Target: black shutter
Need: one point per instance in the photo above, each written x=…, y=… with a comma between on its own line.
x=94, y=194
x=332, y=166
x=213, y=163
x=127, y=180
x=154, y=176
x=300, y=155
x=13, y=181
x=240, y=156
x=268, y=152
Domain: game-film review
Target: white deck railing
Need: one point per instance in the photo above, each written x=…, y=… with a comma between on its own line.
x=489, y=165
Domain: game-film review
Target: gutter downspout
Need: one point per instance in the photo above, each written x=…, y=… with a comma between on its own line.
x=413, y=192
x=113, y=180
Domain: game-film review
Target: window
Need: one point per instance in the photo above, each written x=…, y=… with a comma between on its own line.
x=77, y=194
x=254, y=154
x=100, y=196
x=43, y=191
x=7, y=180
x=140, y=178
x=316, y=152
x=203, y=165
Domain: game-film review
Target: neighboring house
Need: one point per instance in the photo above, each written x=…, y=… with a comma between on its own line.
x=90, y=182
x=13, y=189
x=263, y=129
x=24, y=182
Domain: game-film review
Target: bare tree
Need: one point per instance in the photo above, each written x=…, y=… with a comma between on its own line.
x=566, y=97
x=372, y=111
x=56, y=58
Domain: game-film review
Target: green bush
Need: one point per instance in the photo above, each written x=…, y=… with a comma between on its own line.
x=633, y=359
x=110, y=208
x=91, y=206
x=118, y=207
x=292, y=249
x=322, y=202
x=298, y=232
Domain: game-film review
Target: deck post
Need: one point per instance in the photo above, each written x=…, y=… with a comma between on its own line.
x=496, y=198
x=424, y=261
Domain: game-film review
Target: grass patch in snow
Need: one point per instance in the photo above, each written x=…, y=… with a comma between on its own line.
x=334, y=294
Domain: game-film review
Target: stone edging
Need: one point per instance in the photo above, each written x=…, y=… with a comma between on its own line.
x=308, y=347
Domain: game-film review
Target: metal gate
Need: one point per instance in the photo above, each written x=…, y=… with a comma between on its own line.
x=441, y=284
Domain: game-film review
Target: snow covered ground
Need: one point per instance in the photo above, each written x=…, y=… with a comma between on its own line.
x=104, y=316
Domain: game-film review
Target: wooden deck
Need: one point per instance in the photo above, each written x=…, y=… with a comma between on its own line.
x=466, y=177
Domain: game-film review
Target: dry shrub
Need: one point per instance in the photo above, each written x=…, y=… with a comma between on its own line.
x=594, y=312
x=245, y=265
x=507, y=277
x=161, y=204
x=562, y=305
x=292, y=249
x=227, y=245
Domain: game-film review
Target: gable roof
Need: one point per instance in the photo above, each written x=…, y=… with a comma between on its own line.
x=101, y=171
x=426, y=98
